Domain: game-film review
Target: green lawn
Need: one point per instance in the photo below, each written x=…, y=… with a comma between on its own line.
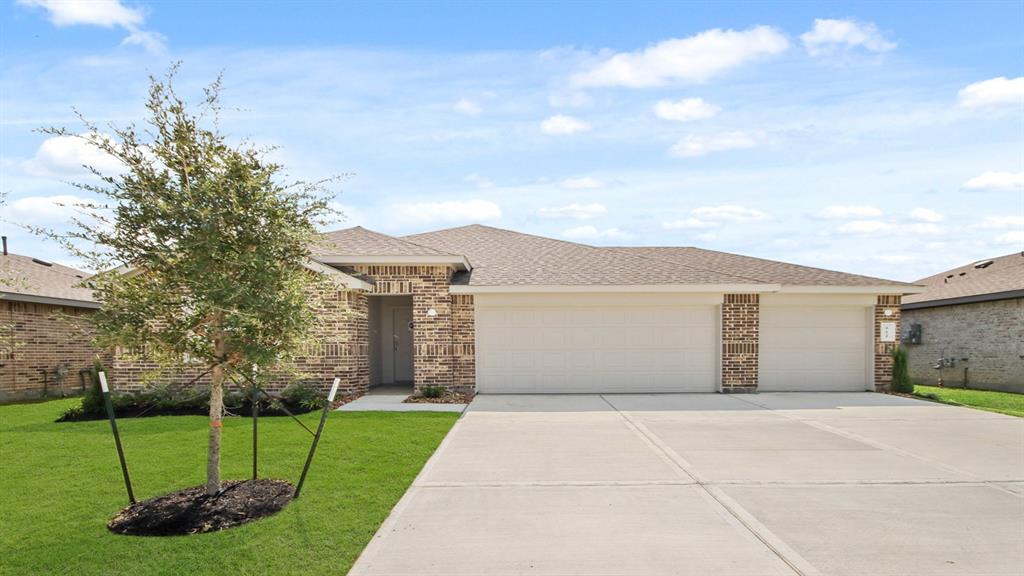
x=60, y=484
x=1002, y=402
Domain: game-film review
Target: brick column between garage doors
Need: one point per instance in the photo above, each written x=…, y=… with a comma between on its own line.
x=883, y=350
x=740, y=333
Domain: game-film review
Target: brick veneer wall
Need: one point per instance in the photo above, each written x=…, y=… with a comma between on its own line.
x=433, y=358
x=740, y=330
x=39, y=337
x=990, y=335
x=883, y=350
x=338, y=348
x=463, y=343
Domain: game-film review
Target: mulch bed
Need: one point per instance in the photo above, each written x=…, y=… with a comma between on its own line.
x=191, y=511
x=450, y=398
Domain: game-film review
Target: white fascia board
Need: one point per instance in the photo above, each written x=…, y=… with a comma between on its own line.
x=347, y=280
x=725, y=288
x=454, y=261
x=877, y=289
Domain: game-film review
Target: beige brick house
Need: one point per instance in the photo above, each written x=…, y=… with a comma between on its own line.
x=496, y=311
x=44, y=338
x=972, y=317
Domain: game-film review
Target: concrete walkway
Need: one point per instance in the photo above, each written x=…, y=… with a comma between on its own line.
x=845, y=484
x=389, y=399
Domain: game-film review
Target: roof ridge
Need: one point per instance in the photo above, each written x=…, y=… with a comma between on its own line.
x=976, y=261
x=396, y=238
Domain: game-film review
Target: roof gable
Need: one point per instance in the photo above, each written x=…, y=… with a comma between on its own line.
x=359, y=241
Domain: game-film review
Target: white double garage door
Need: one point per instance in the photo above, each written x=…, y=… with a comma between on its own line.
x=650, y=342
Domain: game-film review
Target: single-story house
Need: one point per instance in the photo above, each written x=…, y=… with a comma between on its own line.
x=477, y=308
x=44, y=340
x=967, y=327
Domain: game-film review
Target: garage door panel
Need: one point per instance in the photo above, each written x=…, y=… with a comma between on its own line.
x=813, y=348
x=532, y=349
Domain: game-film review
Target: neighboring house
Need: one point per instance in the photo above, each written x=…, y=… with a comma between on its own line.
x=44, y=339
x=970, y=322
x=497, y=311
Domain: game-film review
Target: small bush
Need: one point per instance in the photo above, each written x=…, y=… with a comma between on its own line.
x=306, y=395
x=431, y=391
x=900, y=373
x=92, y=400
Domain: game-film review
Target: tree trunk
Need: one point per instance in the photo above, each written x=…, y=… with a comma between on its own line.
x=216, y=411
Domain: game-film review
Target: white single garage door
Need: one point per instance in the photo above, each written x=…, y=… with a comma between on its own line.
x=595, y=344
x=814, y=345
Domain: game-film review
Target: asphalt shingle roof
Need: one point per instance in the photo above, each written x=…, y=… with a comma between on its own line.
x=767, y=271
x=1004, y=274
x=26, y=276
x=507, y=258
x=359, y=241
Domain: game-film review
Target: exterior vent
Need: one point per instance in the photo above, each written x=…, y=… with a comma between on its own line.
x=42, y=262
x=983, y=264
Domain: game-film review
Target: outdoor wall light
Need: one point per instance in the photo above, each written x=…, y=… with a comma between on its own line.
x=887, y=312
x=431, y=312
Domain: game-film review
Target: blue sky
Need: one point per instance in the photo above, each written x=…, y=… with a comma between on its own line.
x=879, y=138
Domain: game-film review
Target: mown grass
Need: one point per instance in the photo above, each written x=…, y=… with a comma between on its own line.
x=1002, y=402
x=60, y=484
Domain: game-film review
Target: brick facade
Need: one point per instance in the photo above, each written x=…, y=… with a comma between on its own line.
x=434, y=358
x=886, y=303
x=339, y=348
x=985, y=338
x=463, y=343
x=38, y=338
x=740, y=333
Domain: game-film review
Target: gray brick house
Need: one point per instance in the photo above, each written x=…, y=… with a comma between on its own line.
x=969, y=322
x=483, y=309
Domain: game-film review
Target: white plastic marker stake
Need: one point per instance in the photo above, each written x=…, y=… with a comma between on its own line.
x=316, y=437
x=117, y=437
x=334, y=390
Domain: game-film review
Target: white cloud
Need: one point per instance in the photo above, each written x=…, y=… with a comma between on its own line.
x=467, y=107
x=729, y=213
x=104, y=13
x=994, y=92
x=685, y=110
x=458, y=211
x=589, y=232
x=44, y=210
x=847, y=212
x=925, y=228
x=1002, y=222
x=575, y=211
x=829, y=34
x=689, y=224
x=1002, y=181
x=584, y=183
x=694, y=145
x=925, y=215
x=479, y=181
x=63, y=156
x=697, y=58
x=562, y=124
x=1012, y=238
x=859, y=227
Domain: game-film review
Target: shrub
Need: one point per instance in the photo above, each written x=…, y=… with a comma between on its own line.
x=306, y=395
x=900, y=373
x=92, y=400
x=431, y=391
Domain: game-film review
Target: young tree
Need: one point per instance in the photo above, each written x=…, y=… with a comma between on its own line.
x=204, y=246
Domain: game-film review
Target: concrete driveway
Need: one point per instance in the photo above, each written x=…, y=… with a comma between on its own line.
x=848, y=484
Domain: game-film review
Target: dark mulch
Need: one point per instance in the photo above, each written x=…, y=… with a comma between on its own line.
x=449, y=398
x=191, y=511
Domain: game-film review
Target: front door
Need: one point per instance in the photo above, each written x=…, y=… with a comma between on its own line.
x=402, y=344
